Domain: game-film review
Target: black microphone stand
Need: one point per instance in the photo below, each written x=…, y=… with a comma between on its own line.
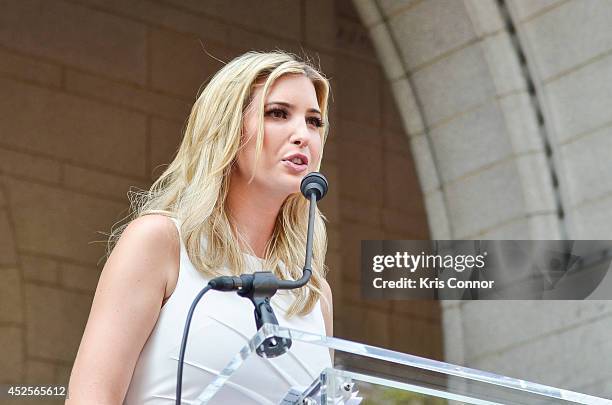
x=260, y=287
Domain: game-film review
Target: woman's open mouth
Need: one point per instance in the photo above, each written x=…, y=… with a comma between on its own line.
x=296, y=163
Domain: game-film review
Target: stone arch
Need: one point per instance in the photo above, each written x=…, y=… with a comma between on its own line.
x=499, y=134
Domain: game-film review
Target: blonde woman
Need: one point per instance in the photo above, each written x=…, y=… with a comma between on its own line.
x=229, y=203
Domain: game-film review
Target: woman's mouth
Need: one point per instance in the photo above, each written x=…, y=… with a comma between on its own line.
x=296, y=163
x=295, y=167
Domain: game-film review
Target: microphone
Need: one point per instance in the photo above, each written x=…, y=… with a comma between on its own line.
x=313, y=187
x=260, y=286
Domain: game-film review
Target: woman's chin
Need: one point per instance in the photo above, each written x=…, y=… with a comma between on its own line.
x=292, y=182
x=284, y=190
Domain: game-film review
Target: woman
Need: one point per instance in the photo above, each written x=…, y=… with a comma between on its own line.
x=229, y=203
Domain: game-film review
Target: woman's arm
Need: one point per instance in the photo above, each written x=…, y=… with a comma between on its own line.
x=125, y=309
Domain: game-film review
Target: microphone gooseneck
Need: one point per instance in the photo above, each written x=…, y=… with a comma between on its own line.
x=314, y=187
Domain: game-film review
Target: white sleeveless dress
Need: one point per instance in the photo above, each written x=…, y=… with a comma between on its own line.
x=222, y=323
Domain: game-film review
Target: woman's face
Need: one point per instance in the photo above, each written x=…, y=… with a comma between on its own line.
x=291, y=142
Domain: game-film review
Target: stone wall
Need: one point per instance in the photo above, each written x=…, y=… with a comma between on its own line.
x=94, y=97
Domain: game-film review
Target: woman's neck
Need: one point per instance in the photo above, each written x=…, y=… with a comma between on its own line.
x=253, y=213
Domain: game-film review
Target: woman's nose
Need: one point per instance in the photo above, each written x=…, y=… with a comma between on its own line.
x=300, y=136
x=300, y=141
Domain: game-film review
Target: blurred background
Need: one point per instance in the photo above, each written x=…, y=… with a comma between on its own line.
x=450, y=119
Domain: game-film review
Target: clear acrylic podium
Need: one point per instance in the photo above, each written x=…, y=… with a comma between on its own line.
x=371, y=375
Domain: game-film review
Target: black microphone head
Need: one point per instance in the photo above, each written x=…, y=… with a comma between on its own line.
x=314, y=182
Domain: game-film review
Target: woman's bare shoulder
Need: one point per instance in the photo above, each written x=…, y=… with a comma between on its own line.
x=155, y=227
x=124, y=310
x=157, y=234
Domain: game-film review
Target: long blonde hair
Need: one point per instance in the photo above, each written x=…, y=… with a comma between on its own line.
x=195, y=185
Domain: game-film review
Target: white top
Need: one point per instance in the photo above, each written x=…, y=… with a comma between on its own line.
x=222, y=323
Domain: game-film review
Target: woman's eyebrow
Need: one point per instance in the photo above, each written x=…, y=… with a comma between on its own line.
x=288, y=105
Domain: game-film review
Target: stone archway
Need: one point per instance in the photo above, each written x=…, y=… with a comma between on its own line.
x=507, y=140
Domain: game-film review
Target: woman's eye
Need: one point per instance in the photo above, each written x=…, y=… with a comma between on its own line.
x=315, y=121
x=277, y=113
